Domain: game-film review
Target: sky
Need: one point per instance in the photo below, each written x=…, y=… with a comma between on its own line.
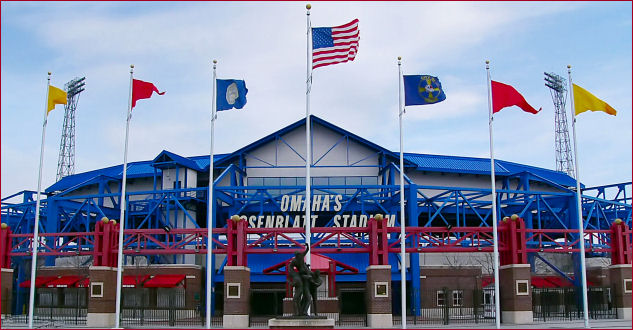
x=172, y=44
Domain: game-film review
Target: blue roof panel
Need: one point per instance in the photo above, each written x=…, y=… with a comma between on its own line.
x=423, y=162
x=437, y=163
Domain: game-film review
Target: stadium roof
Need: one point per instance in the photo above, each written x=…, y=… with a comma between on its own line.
x=421, y=162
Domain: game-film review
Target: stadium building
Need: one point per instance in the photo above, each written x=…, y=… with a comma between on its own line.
x=259, y=220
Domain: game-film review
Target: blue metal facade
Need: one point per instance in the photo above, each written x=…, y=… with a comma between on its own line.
x=76, y=202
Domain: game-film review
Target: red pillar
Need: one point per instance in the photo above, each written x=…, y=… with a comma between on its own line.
x=512, y=238
x=620, y=243
x=241, y=242
x=514, y=272
x=236, y=242
x=5, y=246
x=378, y=241
x=98, y=252
x=332, y=278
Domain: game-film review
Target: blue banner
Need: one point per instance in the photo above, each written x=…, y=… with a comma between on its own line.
x=422, y=89
x=231, y=94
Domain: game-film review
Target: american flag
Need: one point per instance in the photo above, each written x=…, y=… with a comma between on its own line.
x=337, y=44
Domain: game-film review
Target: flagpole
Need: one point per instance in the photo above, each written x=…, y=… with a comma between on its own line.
x=494, y=203
x=581, y=229
x=122, y=203
x=36, y=229
x=403, y=265
x=210, y=267
x=308, y=220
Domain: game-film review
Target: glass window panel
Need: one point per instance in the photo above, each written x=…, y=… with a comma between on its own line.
x=271, y=181
x=255, y=181
x=320, y=181
x=288, y=181
x=370, y=180
x=337, y=181
x=353, y=180
x=440, y=298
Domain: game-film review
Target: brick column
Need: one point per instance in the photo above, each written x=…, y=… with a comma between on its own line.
x=101, y=297
x=237, y=296
x=599, y=276
x=378, y=296
x=7, y=290
x=516, y=293
x=620, y=276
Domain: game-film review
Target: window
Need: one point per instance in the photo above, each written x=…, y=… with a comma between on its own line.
x=233, y=290
x=74, y=297
x=458, y=297
x=441, y=300
x=255, y=181
x=487, y=298
x=522, y=288
x=170, y=297
x=96, y=289
x=627, y=285
x=381, y=289
x=135, y=297
x=337, y=181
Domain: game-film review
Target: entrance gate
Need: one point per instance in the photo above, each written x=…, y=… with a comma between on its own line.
x=558, y=304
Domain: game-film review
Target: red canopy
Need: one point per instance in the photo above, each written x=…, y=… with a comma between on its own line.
x=39, y=281
x=83, y=283
x=63, y=282
x=133, y=281
x=319, y=262
x=164, y=281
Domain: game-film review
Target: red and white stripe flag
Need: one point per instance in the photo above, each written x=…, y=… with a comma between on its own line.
x=338, y=44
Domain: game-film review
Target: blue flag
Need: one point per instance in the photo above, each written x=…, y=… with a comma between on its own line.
x=422, y=89
x=231, y=94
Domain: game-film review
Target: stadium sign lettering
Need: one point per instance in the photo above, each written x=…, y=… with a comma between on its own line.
x=327, y=205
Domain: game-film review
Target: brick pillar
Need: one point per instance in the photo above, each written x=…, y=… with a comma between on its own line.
x=7, y=290
x=237, y=296
x=620, y=276
x=599, y=276
x=101, y=297
x=516, y=293
x=378, y=296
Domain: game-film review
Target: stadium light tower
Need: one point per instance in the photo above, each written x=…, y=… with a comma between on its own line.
x=66, y=162
x=564, y=160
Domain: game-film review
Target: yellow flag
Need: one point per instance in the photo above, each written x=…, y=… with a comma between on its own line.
x=583, y=101
x=55, y=96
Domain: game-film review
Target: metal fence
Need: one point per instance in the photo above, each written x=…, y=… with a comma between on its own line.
x=260, y=321
x=168, y=308
x=352, y=320
x=566, y=303
x=161, y=317
x=451, y=306
x=50, y=317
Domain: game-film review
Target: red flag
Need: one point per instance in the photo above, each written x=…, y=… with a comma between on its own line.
x=142, y=90
x=505, y=96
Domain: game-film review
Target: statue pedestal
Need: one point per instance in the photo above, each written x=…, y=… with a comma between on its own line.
x=301, y=322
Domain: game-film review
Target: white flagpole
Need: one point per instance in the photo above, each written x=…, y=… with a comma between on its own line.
x=210, y=269
x=122, y=203
x=36, y=229
x=494, y=204
x=403, y=265
x=308, y=219
x=581, y=229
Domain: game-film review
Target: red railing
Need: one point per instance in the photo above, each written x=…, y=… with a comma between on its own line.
x=377, y=240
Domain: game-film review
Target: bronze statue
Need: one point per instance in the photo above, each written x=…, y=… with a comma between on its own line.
x=304, y=283
x=315, y=282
